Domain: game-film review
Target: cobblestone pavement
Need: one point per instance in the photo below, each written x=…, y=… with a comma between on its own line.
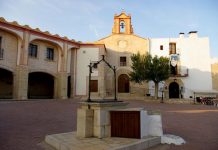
x=24, y=124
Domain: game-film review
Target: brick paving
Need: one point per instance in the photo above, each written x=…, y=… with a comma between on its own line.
x=24, y=124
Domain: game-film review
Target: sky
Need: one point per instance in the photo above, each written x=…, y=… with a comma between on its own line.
x=90, y=20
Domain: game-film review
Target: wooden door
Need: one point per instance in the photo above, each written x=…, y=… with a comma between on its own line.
x=125, y=124
x=123, y=83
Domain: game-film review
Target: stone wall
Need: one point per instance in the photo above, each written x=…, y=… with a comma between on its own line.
x=41, y=63
x=118, y=45
x=9, y=44
x=214, y=68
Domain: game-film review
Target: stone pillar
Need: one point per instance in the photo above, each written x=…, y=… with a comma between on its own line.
x=62, y=85
x=21, y=83
x=93, y=119
x=62, y=77
x=102, y=123
x=85, y=122
x=73, y=72
x=21, y=73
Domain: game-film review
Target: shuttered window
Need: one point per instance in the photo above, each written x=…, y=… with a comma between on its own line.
x=50, y=54
x=33, y=50
x=172, y=48
x=94, y=86
x=122, y=61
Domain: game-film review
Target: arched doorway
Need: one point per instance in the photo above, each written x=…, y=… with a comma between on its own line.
x=123, y=83
x=69, y=86
x=40, y=85
x=6, y=84
x=174, y=90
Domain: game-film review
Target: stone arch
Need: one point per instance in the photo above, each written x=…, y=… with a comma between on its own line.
x=6, y=84
x=7, y=68
x=43, y=71
x=41, y=85
x=174, y=83
x=11, y=47
x=59, y=47
x=174, y=90
x=123, y=71
x=19, y=37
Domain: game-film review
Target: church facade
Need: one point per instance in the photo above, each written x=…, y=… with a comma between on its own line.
x=36, y=64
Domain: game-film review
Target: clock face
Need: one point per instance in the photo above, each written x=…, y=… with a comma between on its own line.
x=122, y=44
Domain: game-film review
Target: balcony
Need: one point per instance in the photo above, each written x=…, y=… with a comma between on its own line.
x=181, y=73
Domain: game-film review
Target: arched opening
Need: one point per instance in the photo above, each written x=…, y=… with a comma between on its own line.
x=122, y=26
x=69, y=86
x=174, y=90
x=40, y=85
x=6, y=84
x=123, y=83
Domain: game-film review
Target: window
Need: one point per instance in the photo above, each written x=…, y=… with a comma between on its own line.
x=122, y=61
x=50, y=54
x=1, y=49
x=161, y=47
x=94, y=86
x=172, y=48
x=33, y=50
x=122, y=26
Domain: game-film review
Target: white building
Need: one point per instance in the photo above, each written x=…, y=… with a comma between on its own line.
x=193, y=69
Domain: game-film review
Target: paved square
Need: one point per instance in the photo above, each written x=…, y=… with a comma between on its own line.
x=24, y=124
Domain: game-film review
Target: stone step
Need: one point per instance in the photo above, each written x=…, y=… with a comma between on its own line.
x=69, y=141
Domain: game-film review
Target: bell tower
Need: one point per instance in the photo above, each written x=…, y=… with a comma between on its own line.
x=122, y=24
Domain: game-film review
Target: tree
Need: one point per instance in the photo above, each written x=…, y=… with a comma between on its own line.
x=148, y=68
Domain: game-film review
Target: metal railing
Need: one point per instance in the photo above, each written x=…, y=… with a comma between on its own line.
x=182, y=73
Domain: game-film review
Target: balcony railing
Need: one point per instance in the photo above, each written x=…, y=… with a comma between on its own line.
x=182, y=73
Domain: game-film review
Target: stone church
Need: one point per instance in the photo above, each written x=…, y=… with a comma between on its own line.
x=37, y=65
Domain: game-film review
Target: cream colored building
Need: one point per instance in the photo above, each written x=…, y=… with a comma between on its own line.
x=36, y=64
x=120, y=45
x=214, y=68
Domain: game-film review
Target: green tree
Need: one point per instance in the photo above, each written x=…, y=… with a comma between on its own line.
x=148, y=68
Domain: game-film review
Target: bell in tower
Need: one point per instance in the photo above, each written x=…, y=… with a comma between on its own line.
x=122, y=24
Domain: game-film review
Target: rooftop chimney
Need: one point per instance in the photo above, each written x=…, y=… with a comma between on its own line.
x=181, y=35
x=193, y=34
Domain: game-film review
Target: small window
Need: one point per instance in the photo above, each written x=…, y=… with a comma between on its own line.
x=172, y=48
x=50, y=54
x=1, y=49
x=122, y=61
x=94, y=86
x=33, y=50
x=161, y=47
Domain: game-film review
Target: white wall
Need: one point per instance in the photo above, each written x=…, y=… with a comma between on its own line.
x=84, y=57
x=194, y=54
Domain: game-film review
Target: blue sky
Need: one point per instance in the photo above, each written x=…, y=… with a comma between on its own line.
x=90, y=20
